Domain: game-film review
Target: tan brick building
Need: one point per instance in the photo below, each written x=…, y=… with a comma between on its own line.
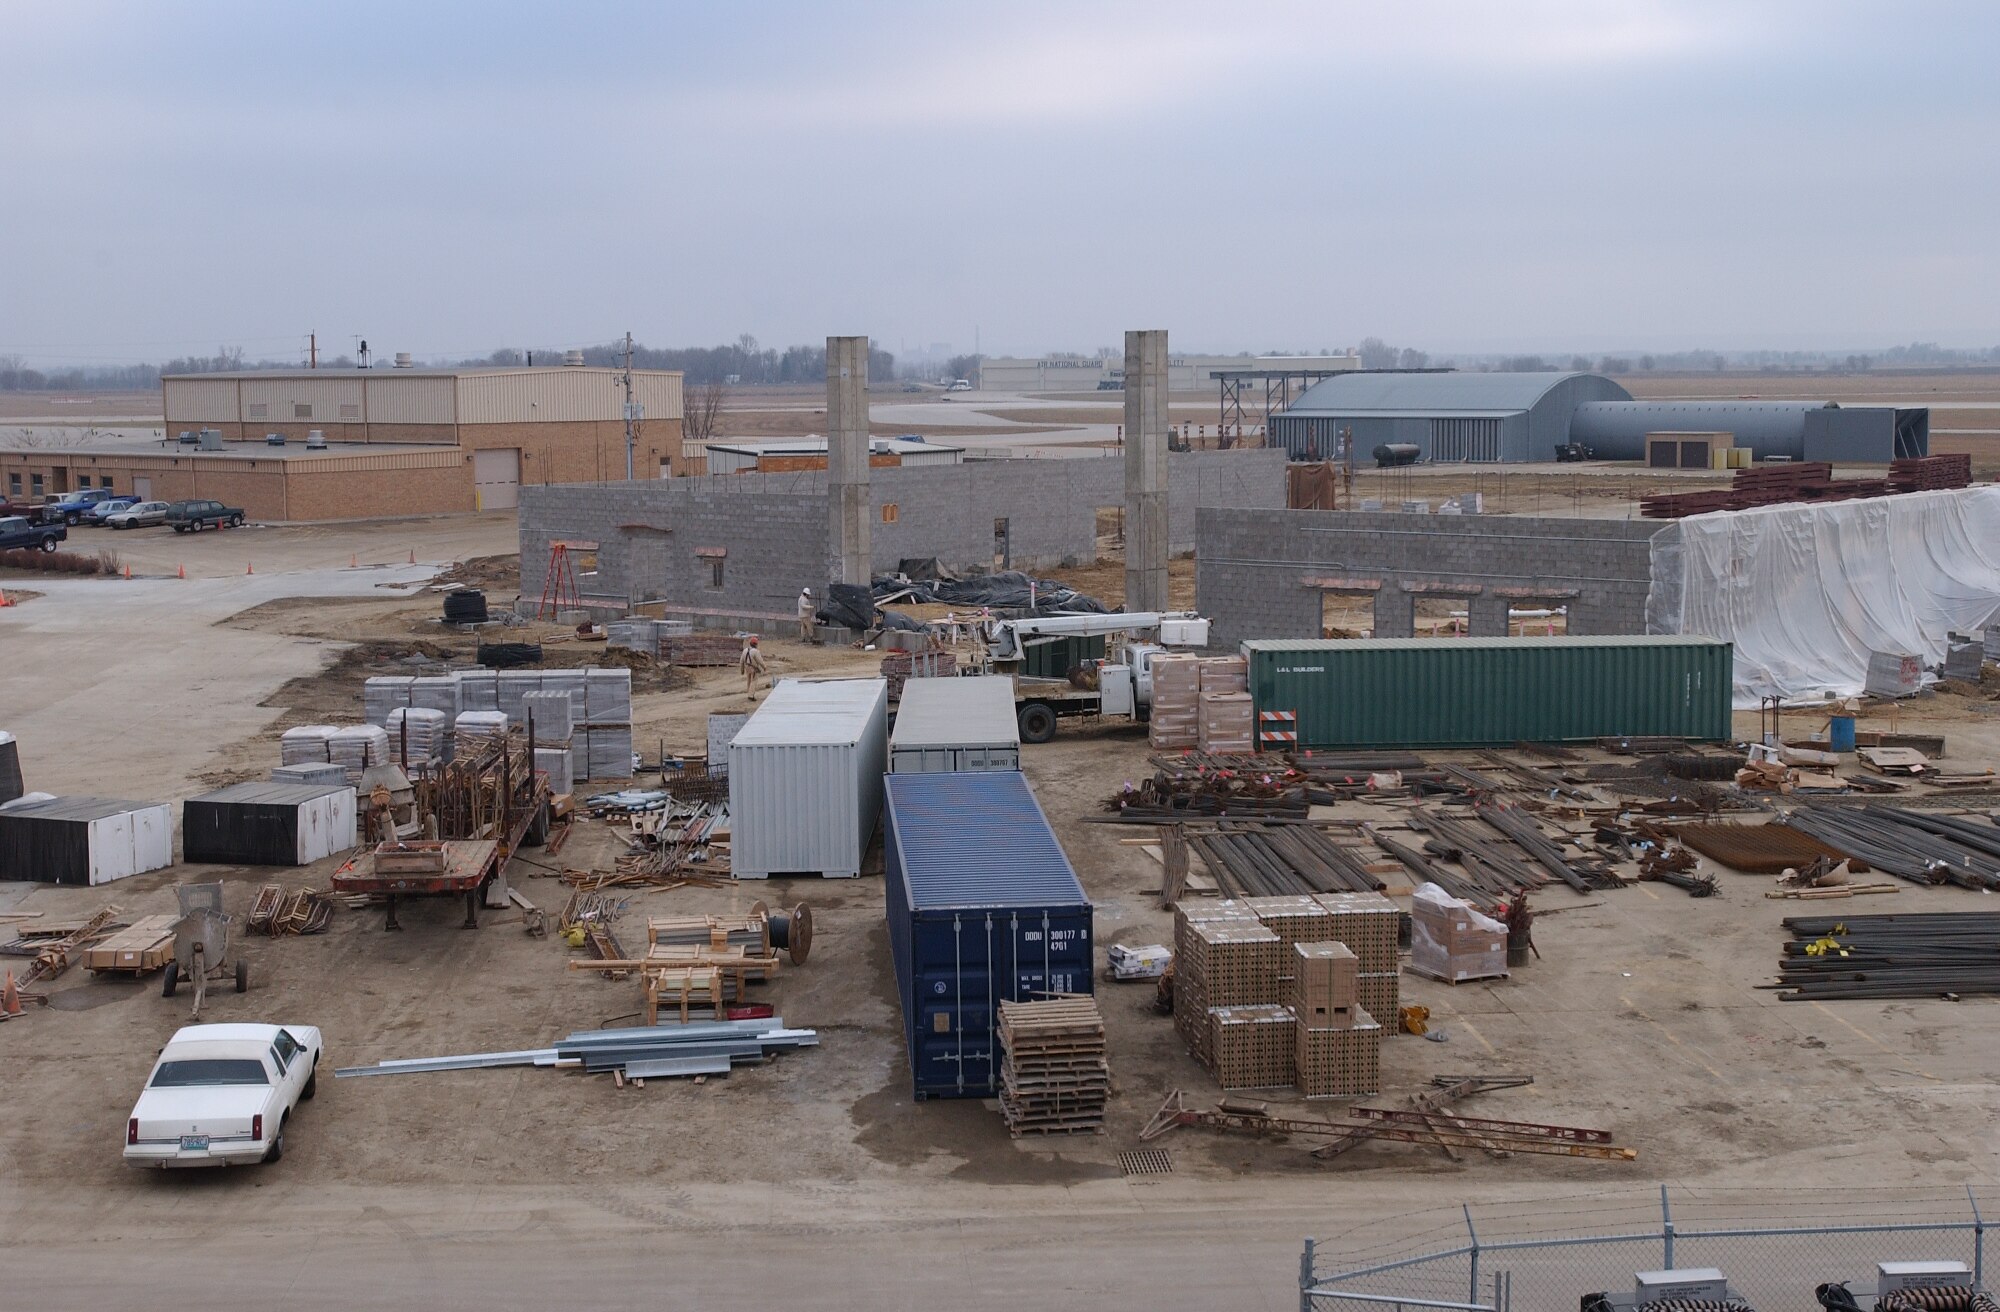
x=397, y=441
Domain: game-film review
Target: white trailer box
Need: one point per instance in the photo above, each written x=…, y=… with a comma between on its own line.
x=84, y=840
x=269, y=824
x=805, y=779
x=955, y=725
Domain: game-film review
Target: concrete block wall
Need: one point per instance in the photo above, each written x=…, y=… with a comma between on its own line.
x=1263, y=574
x=772, y=530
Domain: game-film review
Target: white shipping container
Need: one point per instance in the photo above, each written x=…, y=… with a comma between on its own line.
x=805, y=779
x=84, y=840
x=955, y=725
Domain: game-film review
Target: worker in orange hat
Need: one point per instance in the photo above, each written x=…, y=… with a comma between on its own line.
x=751, y=662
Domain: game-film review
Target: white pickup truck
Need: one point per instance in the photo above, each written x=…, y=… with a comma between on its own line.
x=220, y=1095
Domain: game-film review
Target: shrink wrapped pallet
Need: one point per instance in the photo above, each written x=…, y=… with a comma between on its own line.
x=510, y=688
x=478, y=690
x=435, y=693
x=553, y=715
x=554, y=762
x=305, y=745
x=384, y=693
x=607, y=696
x=1451, y=940
x=417, y=735
x=356, y=747
x=571, y=683
x=472, y=728
x=609, y=751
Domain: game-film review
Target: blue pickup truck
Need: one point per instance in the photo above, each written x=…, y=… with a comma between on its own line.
x=73, y=506
x=17, y=533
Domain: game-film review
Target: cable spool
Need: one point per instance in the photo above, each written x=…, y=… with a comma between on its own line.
x=792, y=932
x=11, y=783
x=465, y=606
x=1951, y=1298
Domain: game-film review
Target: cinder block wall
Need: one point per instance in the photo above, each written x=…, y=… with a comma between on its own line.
x=772, y=535
x=1263, y=575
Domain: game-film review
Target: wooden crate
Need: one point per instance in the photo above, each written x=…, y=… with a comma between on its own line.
x=1339, y=1063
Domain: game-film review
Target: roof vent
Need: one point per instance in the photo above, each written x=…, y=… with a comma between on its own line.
x=573, y=359
x=403, y=360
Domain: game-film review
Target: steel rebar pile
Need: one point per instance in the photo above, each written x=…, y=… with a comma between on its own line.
x=1915, y=846
x=1253, y=860
x=1521, y=827
x=1945, y=954
x=1491, y=864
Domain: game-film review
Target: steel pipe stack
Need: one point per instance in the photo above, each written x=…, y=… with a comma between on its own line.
x=1947, y=954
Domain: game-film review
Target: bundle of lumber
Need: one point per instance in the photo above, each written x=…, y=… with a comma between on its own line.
x=1053, y=1078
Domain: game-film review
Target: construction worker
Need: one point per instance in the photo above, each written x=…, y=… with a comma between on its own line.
x=751, y=662
x=806, y=611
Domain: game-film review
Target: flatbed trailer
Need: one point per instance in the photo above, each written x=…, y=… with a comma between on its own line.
x=466, y=867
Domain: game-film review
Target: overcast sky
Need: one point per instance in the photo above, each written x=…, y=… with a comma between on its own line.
x=1513, y=175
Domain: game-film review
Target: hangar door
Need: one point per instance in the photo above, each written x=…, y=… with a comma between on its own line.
x=496, y=478
x=1465, y=439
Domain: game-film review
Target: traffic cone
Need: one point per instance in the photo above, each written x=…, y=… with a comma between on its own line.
x=249, y=568
x=413, y=557
x=128, y=573
x=4, y=603
x=10, y=997
x=180, y=571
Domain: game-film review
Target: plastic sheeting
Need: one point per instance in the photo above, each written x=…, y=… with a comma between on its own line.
x=1807, y=592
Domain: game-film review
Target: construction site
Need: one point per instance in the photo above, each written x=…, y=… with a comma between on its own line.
x=1240, y=876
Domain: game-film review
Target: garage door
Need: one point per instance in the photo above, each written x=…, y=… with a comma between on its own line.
x=496, y=478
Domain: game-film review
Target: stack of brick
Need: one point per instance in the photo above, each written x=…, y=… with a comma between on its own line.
x=1367, y=924
x=1251, y=1046
x=1222, y=958
x=1450, y=940
x=1175, y=717
x=1227, y=724
x=1336, y=1044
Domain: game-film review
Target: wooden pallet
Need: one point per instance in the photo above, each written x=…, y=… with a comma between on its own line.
x=1053, y=1075
x=144, y=947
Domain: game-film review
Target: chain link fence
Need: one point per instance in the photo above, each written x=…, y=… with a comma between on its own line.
x=1774, y=1246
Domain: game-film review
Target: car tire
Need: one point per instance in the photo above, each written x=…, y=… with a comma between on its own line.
x=242, y=976
x=312, y=1084
x=276, y=1152
x=49, y=546
x=72, y=520
x=1037, y=722
x=169, y=978
x=180, y=528
x=236, y=521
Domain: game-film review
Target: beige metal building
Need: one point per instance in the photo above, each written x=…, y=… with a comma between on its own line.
x=364, y=443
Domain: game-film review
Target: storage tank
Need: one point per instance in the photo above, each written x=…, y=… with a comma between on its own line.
x=955, y=724
x=1481, y=692
x=805, y=779
x=983, y=908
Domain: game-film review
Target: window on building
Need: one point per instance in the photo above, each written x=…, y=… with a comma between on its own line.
x=350, y=411
x=302, y=411
x=888, y=512
x=13, y=485
x=82, y=481
x=35, y=483
x=715, y=571
x=260, y=410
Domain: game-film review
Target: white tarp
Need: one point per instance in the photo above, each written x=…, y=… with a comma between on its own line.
x=1806, y=591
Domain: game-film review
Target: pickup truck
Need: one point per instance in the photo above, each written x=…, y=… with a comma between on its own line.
x=194, y=516
x=17, y=533
x=71, y=507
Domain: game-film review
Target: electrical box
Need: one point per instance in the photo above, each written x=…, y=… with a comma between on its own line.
x=1704, y=1282
x=1893, y=1276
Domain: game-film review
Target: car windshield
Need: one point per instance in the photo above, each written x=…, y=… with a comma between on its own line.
x=205, y=1071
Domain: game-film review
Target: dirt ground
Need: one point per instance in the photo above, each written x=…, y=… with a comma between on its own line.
x=816, y=1177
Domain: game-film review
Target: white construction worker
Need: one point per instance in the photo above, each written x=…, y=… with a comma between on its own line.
x=751, y=662
x=806, y=611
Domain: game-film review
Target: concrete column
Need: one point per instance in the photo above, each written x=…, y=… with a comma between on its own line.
x=1486, y=616
x=847, y=459
x=1395, y=612
x=1146, y=470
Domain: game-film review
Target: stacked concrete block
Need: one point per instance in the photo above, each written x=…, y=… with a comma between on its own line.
x=1226, y=724
x=478, y=690
x=436, y=693
x=607, y=696
x=1253, y=1046
x=305, y=744
x=607, y=751
x=553, y=714
x=571, y=683
x=554, y=762
x=382, y=694
x=1175, y=718
x=309, y=773
x=418, y=735
x=473, y=728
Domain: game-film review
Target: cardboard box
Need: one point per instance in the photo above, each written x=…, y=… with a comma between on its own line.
x=1326, y=984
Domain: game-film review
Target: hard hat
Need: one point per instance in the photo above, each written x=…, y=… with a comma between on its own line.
x=753, y=640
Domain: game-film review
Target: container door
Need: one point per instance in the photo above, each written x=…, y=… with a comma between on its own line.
x=953, y=1047
x=152, y=839
x=111, y=853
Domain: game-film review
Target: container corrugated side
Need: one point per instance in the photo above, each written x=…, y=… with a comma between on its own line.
x=806, y=807
x=957, y=712
x=983, y=906
x=1496, y=691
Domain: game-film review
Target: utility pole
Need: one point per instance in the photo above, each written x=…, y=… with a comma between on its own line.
x=631, y=413
x=312, y=350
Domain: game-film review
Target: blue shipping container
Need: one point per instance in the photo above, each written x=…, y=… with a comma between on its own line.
x=983, y=907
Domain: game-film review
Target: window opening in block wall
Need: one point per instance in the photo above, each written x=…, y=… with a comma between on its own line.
x=1110, y=529
x=1442, y=617
x=82, y=481
x=889, y=512
x=1346, y=614
x=715, y=571
x=1537, y=617
x=36, y=481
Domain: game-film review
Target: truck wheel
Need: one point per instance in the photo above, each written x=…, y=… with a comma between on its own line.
x=49, y=546
x=72, y=520
x=1038, y=722
x=236, y=521
x=242, y=976
x=169, y=978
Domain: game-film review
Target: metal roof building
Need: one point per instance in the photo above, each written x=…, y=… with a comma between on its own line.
x=1447, y=416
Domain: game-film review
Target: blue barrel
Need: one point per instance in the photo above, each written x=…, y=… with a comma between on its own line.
x=1842, y=733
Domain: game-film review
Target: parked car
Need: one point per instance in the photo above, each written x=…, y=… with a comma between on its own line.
x=17, y=532
x=221, y=1095
x=103, y=510
x=194, y=516
x=140, y=514
x=71, y=507
x=960, y=385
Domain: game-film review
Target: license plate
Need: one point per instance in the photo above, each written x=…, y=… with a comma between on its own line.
x=194, y=1143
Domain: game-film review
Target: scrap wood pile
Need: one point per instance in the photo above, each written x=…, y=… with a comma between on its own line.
x=55, y=948
x=899, y=667
x=1053, y=1074
x=707, y=962
x=633, y=1055
x=1948, y=954
x=277, y=912
x=1920, y=847
x=1771, y=485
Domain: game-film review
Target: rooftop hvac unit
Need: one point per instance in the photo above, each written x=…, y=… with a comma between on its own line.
x=274, y=439
x=211, y=439
x=1702, y=1283
x=1893, y=1277
x=573, y=359
x=189, y=437
x=316, y=439
x=403, y=360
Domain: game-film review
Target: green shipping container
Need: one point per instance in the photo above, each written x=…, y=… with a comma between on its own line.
x=1482, y=692
x=1054, y=660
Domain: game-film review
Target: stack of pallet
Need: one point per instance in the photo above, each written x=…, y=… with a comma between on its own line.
x=1053, y=1075
x=1175, y=721
x=1450, y=940
x=1930, y=473
x=1228, y=720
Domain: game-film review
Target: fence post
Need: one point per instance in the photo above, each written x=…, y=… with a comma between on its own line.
x=1472, y=1278
x=1667, y=1227
x=1978, y=1241
x=1306, y=1277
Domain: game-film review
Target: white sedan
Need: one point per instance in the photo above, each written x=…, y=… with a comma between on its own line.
x=220, y=1095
